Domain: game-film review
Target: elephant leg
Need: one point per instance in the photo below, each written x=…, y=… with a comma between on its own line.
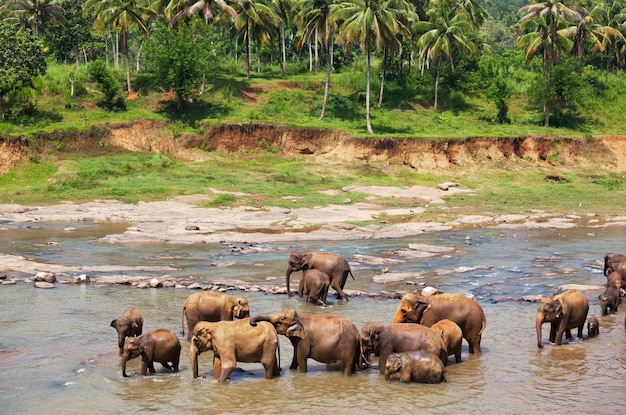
x=580, y=331
x=568, y=334
x=457, y=355
x=553, y=327
x=144, y=368
x=294, y=360
x=302, y=362
x=217, y=368
x=227, y=369
x=336, y=284
x=559, y=336
x=474, y=344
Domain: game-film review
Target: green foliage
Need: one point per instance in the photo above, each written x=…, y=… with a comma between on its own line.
x=22, y=60
x=113, y=100
x=179, y=57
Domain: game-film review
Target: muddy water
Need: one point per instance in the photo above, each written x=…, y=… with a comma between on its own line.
x=58, y=353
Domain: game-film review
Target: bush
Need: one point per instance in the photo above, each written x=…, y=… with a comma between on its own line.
x=113, y=100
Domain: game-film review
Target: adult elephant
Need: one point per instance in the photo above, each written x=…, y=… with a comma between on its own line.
x=232, y=342
x=159, y=345
x=335, y=266
x=384, y=339
x=128, y=325
x=212, y=306
x=610, y=260
x=564, y=312
x=462, y=310
x=324, y=338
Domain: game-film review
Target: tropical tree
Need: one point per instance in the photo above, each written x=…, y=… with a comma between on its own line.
x=373, y=24
x=316, y=18
x=22, y=59
x=31, y=14
x=612, y=15
x=556, y=12
x=209, y=9
x=256, y=20
x=447, y=30
x=124, y=15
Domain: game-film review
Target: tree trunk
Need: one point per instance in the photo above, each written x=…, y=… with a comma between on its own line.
x=437, y=84
x=329, y=62
x=317, y=58
x=283, y=66
x=248, y=58
x=126, y=57
x=367, y=90
x=382, y=79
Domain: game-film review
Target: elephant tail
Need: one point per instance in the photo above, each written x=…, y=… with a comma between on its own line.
x=484, y=326
x=351, y=274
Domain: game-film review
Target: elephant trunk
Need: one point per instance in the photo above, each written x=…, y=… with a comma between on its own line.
x=261, y=317
x=193, y=357
x=288, y=272
x=538, y=323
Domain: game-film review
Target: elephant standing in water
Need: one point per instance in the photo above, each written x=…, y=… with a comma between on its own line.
x=564, y=312
x=416, y=366
x=212, y=306
x=428, y=310
x=335, y=266
x=160, y=346
x=235, y=341
x=128, y=325
x=326, y=339
x=314, y=286
x=610, y=262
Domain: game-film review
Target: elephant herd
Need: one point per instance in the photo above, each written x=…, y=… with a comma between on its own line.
x=221, y=323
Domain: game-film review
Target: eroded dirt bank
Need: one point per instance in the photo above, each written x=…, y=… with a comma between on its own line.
x=606, y=152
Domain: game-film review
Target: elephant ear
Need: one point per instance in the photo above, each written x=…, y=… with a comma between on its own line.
x=558, y=312
x=296, y=330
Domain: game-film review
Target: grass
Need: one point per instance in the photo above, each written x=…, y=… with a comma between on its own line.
x=264, y=177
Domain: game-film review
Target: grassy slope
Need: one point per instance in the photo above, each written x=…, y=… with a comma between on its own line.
x=267, y=178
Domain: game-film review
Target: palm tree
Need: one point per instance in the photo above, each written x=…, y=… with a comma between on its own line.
x=316, y=18
x=31, y=14
x=612, y=15
x=256, y=20
x=209, y=9
x=447, y=30
x=373, y=24
x=125, y=15
x=555, y=11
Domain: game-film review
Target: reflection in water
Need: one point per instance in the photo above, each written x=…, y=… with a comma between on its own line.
x=58, y=351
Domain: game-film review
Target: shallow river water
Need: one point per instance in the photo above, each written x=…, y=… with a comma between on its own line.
x=58, y=353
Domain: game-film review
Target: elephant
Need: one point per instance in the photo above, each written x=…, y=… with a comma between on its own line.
x=212, y=306
x=159, y=345
x=427, y=310
x=609, y=300
x=323, y=338
x=593, y=327
x=417, y=366
x=452, y=337
x=610, y=260
x=335, y=266
x=128, y=325
x=235, y=341
x=387, y=338
x=564, y=312
x=618, y=276
x=314, y=285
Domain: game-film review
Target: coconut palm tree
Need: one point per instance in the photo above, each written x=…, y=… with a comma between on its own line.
x=31, y=14
x=612, y=15
x=555, y=11
x=125, y=15
x=257, y=20
x=446, y=30
x=373, y=24
x=317, y=19
x=209, y=9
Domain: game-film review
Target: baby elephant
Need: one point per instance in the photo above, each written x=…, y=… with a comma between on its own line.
x=314, y=285
x=129, y=324
x=609, y=300
x=418, y=366
x=593, y=327
x=452, y=337
x=160, y=346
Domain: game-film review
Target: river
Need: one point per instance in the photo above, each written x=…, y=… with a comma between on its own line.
x=58, y=353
